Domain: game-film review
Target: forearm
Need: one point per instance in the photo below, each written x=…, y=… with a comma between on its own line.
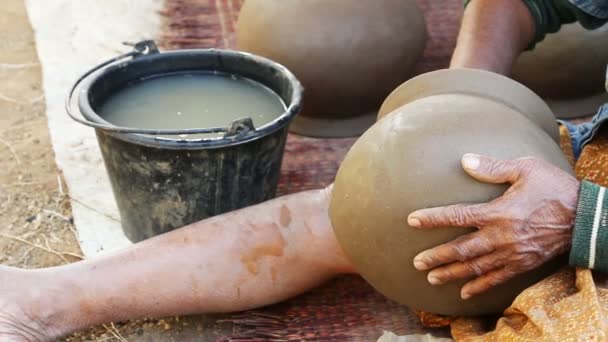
x=492, y=35
x=241, y=260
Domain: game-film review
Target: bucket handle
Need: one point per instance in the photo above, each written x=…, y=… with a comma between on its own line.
x=237, y=129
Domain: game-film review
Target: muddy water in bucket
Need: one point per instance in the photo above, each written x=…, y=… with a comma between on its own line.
x=190, y=100
x=164, y=123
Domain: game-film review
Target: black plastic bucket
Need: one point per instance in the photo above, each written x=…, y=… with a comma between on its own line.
x=161, y=183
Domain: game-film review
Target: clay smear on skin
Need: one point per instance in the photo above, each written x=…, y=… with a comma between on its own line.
x=285, y=216
x=308, y=228
x=251, y=258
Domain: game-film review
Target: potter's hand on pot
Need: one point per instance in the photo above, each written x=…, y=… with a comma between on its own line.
x=527, y=226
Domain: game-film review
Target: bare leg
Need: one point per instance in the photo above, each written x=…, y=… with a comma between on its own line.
x=241, y=260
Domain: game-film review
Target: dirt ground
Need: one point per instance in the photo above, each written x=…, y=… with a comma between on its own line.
x=36, y=227
x=34, y=209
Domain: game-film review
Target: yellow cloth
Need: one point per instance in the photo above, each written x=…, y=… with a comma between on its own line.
x=567, y=306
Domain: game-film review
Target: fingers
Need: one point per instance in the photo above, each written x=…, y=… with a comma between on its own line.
x=464, y=248
x=451, y=216
x=485, y=169
x=490, y=170
x=467, y=269
x=486, y=282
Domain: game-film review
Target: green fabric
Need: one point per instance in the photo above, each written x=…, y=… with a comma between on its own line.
x=549, y=15
x=582, y=240
x=601, y=254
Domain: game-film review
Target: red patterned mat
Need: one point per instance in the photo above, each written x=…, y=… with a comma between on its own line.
x=346, y=309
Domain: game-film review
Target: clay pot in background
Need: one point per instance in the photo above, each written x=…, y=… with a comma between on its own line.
x=568, y=70
x=349, y=55
x=410, y=159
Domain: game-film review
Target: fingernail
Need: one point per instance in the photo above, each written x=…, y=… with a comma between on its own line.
x=433, y=280
x=470, y=161
x=413, y=221
x=465, y=295
x=420, y=265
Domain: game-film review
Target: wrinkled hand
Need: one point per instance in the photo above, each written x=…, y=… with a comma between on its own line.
x=519, y=231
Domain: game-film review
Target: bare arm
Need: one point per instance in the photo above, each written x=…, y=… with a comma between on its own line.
x=245, y=259
x=492, y=35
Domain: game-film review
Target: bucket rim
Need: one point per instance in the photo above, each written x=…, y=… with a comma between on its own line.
x=293, y=106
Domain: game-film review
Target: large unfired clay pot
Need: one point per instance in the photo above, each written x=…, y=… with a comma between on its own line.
x=567, y=65
x=410, y=159
x=477, y=83
x=349, y=55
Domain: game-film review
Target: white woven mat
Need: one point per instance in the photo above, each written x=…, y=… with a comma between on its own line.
x=71, y=37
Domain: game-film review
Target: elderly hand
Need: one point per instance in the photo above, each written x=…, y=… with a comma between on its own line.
x=519, y=231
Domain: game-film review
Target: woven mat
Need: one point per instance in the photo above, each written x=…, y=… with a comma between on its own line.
x=346, y=309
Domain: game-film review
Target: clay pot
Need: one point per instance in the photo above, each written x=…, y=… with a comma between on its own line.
x=409, y=160
x=477, y=83
x=567, y=65
x=349, y=55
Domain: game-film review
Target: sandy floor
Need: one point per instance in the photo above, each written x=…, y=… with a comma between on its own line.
x=34, y=210
x=35, y=214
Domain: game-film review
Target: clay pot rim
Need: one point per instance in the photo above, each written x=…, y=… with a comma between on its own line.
x=474, y=82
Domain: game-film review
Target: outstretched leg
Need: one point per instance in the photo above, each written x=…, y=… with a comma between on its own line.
x=240, y=260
